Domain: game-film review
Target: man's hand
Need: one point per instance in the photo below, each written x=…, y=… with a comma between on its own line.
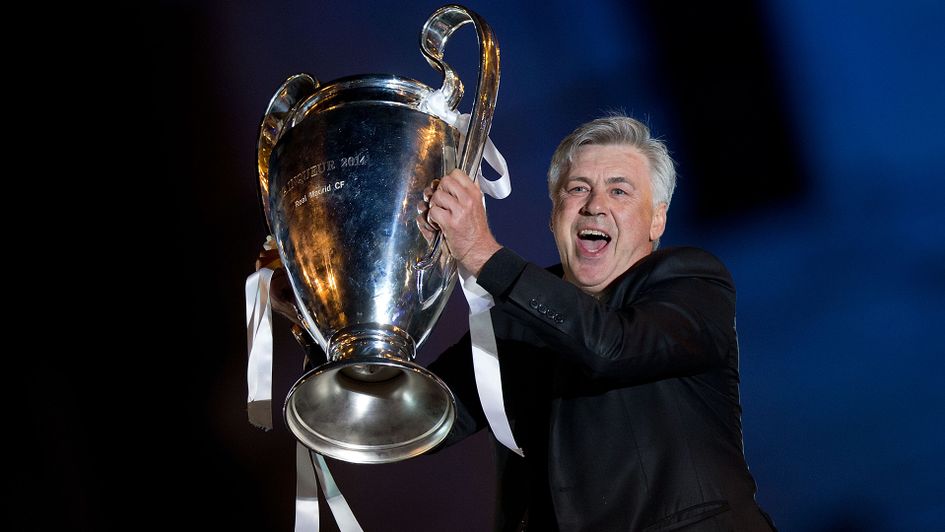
x=280, y=292
x=456, y=208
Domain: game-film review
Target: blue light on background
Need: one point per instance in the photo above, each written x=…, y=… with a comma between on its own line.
x=840, y=279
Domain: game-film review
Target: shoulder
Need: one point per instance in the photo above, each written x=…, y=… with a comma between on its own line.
x=682, y=266
x=687, y=261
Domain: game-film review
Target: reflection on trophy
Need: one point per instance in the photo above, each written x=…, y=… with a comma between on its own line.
x=342, y=167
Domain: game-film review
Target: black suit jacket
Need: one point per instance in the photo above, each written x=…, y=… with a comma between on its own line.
x=626, y=406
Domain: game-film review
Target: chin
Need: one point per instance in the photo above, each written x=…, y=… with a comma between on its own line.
x=586, y=279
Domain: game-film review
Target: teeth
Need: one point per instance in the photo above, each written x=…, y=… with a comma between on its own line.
x=593, y=234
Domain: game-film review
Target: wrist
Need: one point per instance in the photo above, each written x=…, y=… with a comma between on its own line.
x=477, y=256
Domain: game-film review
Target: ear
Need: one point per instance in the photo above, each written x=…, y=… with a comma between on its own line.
x=551, y=218
x=658, y=225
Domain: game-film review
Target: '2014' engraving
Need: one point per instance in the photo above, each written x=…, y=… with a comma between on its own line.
x=322, y=167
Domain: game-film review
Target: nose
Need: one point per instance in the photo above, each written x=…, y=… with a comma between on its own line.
x=594, y=205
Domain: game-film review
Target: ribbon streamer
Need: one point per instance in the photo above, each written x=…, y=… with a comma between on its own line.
x=435, y=104
x=306, y=491
x=259, y=345
x=484, y=350
x=344, y=517
x=259, y=383
x=486, y=360
x=309, y=466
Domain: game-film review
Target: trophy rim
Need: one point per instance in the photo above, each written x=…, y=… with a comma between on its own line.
x=397, y=91
x=371, y=453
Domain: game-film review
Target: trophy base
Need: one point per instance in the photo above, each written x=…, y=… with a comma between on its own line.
x=370, y=410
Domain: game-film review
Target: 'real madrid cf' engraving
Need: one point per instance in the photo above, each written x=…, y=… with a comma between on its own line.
x=337, y=185
x=322, y=167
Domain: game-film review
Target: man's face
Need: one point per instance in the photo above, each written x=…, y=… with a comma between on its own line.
x=603, y=216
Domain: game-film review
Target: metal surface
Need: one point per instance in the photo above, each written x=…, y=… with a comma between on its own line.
x=283, y=102
x=363, y=421
x=344, y=172
x=433, y=39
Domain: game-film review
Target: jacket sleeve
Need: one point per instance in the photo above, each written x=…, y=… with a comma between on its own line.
x=671, y=314
x=455, y=367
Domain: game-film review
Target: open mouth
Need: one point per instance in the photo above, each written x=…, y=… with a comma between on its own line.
x=593, y=240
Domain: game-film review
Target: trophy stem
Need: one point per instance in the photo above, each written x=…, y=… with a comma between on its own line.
x=371, y=343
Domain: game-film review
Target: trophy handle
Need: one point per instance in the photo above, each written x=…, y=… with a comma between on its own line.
x=281, y=106
x=433, y=37
x=426, y=300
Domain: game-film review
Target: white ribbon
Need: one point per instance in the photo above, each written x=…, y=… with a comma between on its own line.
x=308, y=466
x=306, y=491
x=486, y=360
x=484, y=350
x=344, y=517
x=259, y=384
x=259, y=345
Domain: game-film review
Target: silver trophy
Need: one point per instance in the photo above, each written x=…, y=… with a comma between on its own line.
x=342, y=168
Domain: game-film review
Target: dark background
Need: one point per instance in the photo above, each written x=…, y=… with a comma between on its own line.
x=810, y=146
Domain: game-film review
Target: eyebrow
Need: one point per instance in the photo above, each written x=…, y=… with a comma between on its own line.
x=608, y=181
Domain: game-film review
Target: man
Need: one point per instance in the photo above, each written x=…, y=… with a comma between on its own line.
x=620, y=366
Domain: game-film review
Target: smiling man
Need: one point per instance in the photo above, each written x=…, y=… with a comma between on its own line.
x=606, y=216
x=620, y=366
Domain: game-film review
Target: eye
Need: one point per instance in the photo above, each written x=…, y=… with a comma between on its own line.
x=619, y=192
x=577, y=189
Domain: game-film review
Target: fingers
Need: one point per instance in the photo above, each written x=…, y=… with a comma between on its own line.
x=446, y=201
x=426, y=229
x=422, y=219
x=456, y=190
x=268, y=258
x=428, y=192
x=458, y=184
x=281, y=296
x=454, y=205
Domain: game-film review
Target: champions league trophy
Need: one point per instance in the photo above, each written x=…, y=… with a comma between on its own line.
x=342, y=168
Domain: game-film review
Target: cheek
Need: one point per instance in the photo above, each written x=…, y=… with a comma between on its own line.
x=557, y=216
x=559, y=227
x=630, y=225
x=560, y=236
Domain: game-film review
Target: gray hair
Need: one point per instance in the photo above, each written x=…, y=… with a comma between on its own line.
x=622, y=130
